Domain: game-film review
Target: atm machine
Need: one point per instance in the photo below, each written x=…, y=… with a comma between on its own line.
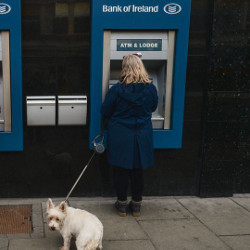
x=154, y=47
x=11, y=131
x=159, y=31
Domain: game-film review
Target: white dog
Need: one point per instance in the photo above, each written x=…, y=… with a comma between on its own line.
x=85, y=226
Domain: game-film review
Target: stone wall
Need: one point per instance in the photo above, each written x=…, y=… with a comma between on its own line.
x=226, y=130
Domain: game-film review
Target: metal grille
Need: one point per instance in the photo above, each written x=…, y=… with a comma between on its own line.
x=15, y=219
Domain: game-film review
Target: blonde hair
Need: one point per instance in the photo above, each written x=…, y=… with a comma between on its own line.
x=133, y=70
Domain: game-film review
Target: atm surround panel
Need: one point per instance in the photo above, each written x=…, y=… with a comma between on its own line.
x=155, y=61
x=175, y=26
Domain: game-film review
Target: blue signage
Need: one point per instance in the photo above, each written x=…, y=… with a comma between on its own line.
x=142, y=16
x=172, y=8
x=4, y=8
x=139, y=44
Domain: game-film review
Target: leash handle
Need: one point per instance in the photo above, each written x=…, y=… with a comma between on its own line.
x=84, y=169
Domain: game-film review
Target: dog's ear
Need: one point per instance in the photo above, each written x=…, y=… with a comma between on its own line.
x=63, y=207
x=50, y=204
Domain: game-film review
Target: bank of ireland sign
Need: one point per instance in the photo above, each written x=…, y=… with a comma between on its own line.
x=172, y=8
x=4, y=8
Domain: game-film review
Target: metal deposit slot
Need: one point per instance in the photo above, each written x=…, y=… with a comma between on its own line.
x=41, y=110
x=72, y=110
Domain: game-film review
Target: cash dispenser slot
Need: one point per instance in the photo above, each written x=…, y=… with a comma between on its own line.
x=41, y=110
x=72, y=110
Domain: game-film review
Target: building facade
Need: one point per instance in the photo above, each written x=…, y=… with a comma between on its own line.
x=215, y=156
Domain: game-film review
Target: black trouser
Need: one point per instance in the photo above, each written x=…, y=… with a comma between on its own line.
x=121, y=180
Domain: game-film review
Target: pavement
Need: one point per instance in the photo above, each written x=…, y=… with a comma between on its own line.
x=165, y=223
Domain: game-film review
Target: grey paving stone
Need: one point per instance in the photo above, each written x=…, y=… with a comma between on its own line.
x=244, y=202
x=241, y=242
x=163, y=209
x=221, y=215
x=17, y=201
x=38, y=232
x=123, y=230
x=37, y=218
x=188, y=234
x=246, y=195
x=3, y=243
x=37, y=221
x=45, y=218
x=128, y=244
x=34, y=244
x=18, y=236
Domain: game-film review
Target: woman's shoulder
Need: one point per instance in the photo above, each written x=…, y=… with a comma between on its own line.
x=151, y=86
x=114, y=86
x=152, y=89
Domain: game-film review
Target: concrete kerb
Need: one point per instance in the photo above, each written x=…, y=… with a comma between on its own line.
x=3, y=243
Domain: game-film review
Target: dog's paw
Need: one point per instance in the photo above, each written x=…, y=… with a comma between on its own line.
x=62, y=248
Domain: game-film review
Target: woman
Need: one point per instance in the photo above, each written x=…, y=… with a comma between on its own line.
x=128, y=107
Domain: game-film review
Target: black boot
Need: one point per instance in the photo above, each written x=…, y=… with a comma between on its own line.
x=121, y=208
x=135, y=207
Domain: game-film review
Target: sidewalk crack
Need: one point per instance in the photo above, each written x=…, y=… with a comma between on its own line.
x=138, y=222
x=217, y=236
x=239, y=205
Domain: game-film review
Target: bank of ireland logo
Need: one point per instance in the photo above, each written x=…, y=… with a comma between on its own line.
x=4, y=8
x=172, y=8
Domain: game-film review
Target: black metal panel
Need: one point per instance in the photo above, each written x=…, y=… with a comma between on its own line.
x=225, y=168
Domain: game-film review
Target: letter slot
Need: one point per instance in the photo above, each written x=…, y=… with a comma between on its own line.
x=41, y=110
x=72, y=110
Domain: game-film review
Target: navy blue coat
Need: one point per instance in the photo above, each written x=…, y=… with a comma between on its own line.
x=128, y=109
